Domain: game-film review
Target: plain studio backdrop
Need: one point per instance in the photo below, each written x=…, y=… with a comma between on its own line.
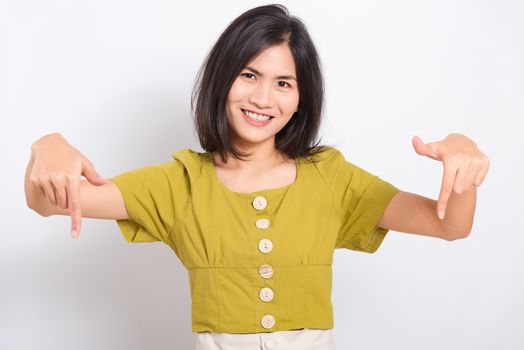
x=115, y=77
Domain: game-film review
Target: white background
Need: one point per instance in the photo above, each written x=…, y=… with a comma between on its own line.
x=114, y=77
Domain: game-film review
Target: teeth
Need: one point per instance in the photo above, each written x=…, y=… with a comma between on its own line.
x=256, y=116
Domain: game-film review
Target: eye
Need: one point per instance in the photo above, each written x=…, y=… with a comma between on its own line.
x=248, y=75
x=283, y=84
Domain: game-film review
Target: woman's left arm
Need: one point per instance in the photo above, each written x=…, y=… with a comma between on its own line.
x=451, y=217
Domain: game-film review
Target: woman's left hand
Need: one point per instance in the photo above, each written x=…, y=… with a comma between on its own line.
x=464, y=165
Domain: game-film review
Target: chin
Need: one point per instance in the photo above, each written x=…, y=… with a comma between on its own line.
x=250, y=139
x=248, y=133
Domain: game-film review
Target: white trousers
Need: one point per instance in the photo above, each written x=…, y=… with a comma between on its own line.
x=302, y=339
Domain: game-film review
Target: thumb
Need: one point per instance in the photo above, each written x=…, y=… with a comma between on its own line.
x=423, y=149
x=92, y=176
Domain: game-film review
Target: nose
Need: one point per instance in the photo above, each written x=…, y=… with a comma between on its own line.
x=261, y=96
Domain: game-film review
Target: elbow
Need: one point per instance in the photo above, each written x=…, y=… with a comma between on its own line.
x=30, y=204
x=461, y=234
x=37, y=210
x=33, y=202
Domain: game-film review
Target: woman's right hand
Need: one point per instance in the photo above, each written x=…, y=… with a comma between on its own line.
x=56, y=171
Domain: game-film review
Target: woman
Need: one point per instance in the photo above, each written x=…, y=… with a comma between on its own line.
x=255, y=219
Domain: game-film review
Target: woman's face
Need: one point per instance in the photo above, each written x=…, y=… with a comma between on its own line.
x=266, y=87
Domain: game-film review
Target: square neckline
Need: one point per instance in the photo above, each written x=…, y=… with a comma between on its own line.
x=275, y=190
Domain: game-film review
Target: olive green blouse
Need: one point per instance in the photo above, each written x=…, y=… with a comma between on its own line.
x=261, y=261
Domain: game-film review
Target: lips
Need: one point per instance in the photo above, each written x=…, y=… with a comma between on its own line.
x=255, y=119
x=255, y=113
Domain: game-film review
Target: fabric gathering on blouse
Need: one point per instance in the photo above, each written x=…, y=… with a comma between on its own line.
x=257, y=262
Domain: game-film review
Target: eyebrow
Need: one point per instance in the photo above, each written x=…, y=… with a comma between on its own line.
x=286, y=77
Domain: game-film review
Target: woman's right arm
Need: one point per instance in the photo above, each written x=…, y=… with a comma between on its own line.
x=53, y=185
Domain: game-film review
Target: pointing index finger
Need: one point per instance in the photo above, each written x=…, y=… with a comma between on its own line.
x=74, y=206
x=448, y=179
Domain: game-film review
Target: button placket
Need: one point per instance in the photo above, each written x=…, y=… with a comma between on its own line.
x=265, y=246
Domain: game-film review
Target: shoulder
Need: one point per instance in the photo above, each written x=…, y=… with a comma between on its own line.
x=327, y=165
x=337, y=172
x=191, y=162
x=327, y=157
x=187, y=155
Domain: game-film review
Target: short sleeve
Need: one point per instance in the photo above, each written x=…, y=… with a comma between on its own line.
x=152, y=195
x=360, y=198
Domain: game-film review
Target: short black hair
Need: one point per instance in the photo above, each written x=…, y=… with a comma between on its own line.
x=245, y=37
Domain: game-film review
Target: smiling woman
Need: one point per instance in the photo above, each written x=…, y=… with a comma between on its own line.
x=259, y=98
x=256, y=217
x=268, y=66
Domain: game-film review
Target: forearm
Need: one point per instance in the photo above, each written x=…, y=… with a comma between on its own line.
x=460, y=211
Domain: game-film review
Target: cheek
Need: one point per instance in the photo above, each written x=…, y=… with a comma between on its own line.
x=291, y=103
x=235, y=93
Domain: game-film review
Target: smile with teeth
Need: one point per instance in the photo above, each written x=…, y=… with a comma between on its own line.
x=255, y=116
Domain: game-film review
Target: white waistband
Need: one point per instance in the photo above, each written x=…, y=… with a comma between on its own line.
x=303, y=339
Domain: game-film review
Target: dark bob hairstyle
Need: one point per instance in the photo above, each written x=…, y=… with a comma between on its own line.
x=245, y=37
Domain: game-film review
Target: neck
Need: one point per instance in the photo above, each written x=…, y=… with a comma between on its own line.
x=263, y=155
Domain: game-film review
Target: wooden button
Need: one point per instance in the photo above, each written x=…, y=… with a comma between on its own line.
x=260, y=202
x=266, y=271
x=262, y=223
x=266, y=294
x=265, y=245
x=268, y=321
